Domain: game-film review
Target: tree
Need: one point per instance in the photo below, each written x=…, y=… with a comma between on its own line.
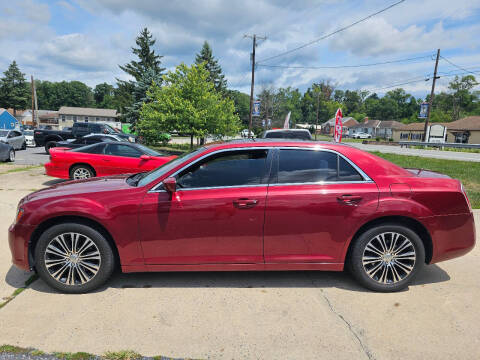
x=211, y=64
x=53, y=95
x=242, y=105
x=187, y=103
x=139, y=94
x=146, y=55
x=463, y=98
x=103, y=95
x=13, y=89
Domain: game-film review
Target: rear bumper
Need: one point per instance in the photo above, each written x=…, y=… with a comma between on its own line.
x=452, y=236
x=54, y=171
x=18, y=239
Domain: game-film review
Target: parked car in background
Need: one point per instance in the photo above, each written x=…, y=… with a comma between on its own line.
x=245, y=133
x=29, y=140
x=361, y=135
x=88, y=140
x=301, y=134
x=14, y=138
x=102, y=159
x=7, y=152
x=256, y=205
x=48, y=138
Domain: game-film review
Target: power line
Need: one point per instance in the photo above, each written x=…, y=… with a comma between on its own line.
x=332, y=33
x=458, y=67
x=345, y=66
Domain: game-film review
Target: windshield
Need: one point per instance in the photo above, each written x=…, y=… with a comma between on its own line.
x=3, y=133
x=148, y=177
x=110, y=129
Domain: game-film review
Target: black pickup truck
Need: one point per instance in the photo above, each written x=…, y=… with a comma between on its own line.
x=48, y=138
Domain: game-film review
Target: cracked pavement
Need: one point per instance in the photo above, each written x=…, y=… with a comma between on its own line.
x=243, y=315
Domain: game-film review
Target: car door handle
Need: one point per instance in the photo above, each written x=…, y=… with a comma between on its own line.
x=245, y=203
x=106, y=160
x=349, y=199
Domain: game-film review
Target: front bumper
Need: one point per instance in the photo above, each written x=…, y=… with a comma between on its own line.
x=18, y=238
x=452, y=236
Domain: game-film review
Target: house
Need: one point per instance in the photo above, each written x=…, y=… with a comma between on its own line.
x=25, y=116
x=7, y=121
x=49, y=119
x=376, y=128
x=67, y=116
x=328, y=127
x=466, y=131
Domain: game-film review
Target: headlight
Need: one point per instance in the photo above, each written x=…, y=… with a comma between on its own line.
x=19, y=215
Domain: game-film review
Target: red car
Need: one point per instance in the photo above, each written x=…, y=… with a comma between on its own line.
x=102, y=159
x=254, y=205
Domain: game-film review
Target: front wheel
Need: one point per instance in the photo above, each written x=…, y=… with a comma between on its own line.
x=73, y=258
x=49, y=145
x=387, y=258
x=11, y=155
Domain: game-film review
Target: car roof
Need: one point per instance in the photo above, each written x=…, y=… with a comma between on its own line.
x=279, y=130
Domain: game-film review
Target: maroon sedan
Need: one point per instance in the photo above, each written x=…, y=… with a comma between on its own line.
x=254, y=205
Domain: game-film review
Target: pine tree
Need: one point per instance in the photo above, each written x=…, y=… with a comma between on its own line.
x=211, y=64
x=139, y=93
x=13, y=89
x=148, y=58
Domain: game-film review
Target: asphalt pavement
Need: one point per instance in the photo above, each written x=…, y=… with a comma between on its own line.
x=242, y=315
x=31, y=156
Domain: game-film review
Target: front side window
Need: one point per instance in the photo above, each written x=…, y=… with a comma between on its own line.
x=307, y=166
x=227, y=168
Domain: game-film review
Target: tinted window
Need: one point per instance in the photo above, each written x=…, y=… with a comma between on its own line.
x=122, y=150
x=228, y=168
x=91, y=149
x=95, y=128
x=307, y=166
x=304, y=135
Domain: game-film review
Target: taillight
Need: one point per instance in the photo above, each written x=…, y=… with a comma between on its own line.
x=466, y=197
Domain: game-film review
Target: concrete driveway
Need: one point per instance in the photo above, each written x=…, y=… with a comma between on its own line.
x=252, y=315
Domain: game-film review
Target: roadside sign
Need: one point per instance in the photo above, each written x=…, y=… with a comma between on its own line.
x=256, y=108
x=338, y=126
x=423, y=110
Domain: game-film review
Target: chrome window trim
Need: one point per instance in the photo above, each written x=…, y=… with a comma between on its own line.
x=154, y=189
x=366, y=178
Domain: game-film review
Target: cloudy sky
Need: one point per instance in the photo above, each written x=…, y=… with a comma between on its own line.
x=86, y=39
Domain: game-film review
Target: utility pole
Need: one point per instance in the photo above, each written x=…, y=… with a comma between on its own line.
x=252, y=85
x=316, y=121
x=432, y=94
x=33, y=100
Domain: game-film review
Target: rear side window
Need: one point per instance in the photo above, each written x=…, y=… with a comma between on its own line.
x=307, y=166
x=303, y=135
x=91, y=149
x=122, y=150
x=228, y=168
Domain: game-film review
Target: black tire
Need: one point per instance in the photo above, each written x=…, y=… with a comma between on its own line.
x=81, y=168
x=49, y=145
x=387, y=283
x=11, y=155
x=24, y=145
x=106, y=263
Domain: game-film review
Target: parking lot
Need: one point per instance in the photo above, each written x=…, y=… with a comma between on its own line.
x=249, y=315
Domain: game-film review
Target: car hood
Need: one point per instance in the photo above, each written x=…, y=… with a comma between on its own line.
x=79, y=187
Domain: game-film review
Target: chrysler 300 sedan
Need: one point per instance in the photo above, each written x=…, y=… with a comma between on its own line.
x=251, y=205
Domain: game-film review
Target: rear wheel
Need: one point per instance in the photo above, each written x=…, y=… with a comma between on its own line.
x=73, y=258
x=80, y=172
x=24, y=145
x=387, y=258
x=11, y=155
x=49, y=145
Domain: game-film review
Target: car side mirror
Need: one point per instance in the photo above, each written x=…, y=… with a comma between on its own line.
x=145, y=157
x=170, y=184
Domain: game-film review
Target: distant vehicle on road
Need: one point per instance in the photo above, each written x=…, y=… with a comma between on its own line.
x=87, y=140
x=245, y=133
x=301, y=134
x=14, y=138
x=7, y=152
x=246, y=205
x=102, y=159
x=29, y=140
x=361, y=135
x=48, y=138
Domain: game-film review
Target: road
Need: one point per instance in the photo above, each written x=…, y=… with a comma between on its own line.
x=250, y=315
x=437, y=154
x=31, y=156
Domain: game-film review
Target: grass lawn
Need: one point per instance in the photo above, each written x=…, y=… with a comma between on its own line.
x=467, y=172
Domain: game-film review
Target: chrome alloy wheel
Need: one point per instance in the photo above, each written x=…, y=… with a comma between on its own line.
x=11, y=156
x=389, y=257
x=81, y=173
x=72, y=258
